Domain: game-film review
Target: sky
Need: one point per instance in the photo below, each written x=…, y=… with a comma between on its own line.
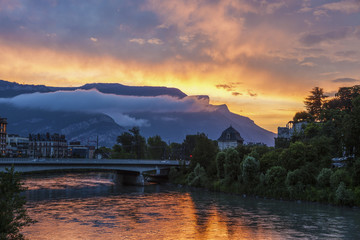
x=259, y=57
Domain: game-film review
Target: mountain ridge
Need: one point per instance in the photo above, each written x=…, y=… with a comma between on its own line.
x=11, y=89
x=194, y=115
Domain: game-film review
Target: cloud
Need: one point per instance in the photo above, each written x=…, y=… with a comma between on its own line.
x=155, y=41
x=137, y=40
x=93, y=39
x=252, y=93
x=307, y=64
x=348, y=53
x=316, y=38
x=231, y=86
x=116, y=106
x=347, y=6
x=236, y=94
x=227, y=87
x=345, y=80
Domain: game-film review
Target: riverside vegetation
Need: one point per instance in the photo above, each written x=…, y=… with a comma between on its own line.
x=13, y=214
x=297, y=169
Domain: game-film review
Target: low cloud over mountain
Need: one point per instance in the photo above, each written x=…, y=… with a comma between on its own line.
x=84, y=113
x=115, y=106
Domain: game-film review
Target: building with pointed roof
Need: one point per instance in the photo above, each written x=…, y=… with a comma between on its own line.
x=230, y=138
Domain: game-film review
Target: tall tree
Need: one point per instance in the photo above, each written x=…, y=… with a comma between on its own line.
x=156, y=147
x=132, y=142
x=315, y=101
x=13, y=214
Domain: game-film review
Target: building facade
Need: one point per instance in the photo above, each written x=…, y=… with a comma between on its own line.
x=76, y=150
x=285, y=133
x=3, y=125
x=47, y=145
x=230, y=138
x=17, y=146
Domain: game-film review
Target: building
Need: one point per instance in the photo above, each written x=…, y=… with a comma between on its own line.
x=47, y=145
x=3, y=124
x=285, y=133
x=230, y=138
x=76, y=150
x=17, y=146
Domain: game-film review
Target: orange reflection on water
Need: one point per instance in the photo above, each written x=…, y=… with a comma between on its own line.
x=135, y=216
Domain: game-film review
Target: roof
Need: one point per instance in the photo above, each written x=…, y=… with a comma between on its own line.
x=230, y=135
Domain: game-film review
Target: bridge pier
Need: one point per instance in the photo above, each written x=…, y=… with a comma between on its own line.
x=132, y=179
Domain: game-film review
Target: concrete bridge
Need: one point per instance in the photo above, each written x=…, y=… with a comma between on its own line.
x=133, y=169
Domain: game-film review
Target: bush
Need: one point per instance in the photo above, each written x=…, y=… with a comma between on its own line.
x=323, y=179
x=275, y=176
x=344, y=196
x=198, y=177
x=220, y=161
x=250, y=170
x=340, y=175
x=232, y=165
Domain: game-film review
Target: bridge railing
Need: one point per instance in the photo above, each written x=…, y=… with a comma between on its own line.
x=91, y=161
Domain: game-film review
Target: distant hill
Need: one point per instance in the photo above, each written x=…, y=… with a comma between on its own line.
x=172, y=125
x=84, y=127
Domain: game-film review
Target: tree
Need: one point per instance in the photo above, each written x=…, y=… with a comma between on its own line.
x=156, y=147
x=126, y=140
x=275, y=177
x=232, y=165
x=220, y=161
x=250, y=170
x=132, y=142
x=13, y=214
x=315, y=101
x=351, y=129
x=205, y=153
x=303, y=117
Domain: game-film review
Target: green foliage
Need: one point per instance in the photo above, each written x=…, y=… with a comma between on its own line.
x=269, y=160
x=297, y=155
x=315, y=101
x=275, y=177
x=133, y=143
x=220, y=162
x=250, y=170
x=344, y=196
x=175, y=151
x=232, y=165
x=204, y=154
x=356, y=172
x=197, y=178
x=340, y=175
x=104, y=152
x=303, y=117
x=312, y=130
x=323, y=179
x=177, y=175
x=13, y=215
x=156, y=147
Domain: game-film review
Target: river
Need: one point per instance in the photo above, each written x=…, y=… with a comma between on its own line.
x=95, y=206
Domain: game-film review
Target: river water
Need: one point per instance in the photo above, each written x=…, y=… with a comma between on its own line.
x=95, y=206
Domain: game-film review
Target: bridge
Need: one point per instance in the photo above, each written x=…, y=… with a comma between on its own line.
x=133, y=169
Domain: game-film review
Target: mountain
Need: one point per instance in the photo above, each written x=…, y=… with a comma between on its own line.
x=110, y=110
x=11, y=89
x=84, y=127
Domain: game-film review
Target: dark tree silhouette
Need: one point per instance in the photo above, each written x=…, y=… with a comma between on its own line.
x=13, y=214
x=315, y=101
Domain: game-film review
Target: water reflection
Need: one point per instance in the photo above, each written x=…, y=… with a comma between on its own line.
x=94, y=206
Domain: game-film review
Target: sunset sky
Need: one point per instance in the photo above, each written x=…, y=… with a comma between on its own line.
x=259, y=57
